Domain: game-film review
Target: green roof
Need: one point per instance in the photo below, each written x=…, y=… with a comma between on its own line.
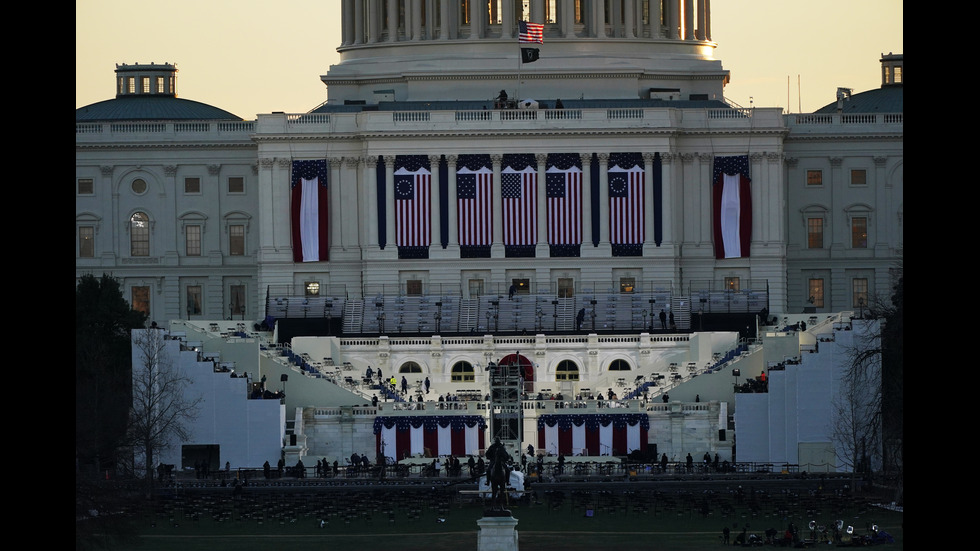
x=150, y=107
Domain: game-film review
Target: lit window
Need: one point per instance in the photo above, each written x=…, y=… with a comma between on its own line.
x=627, y=284
x=236, y=185
x=859, y=292
x=814, y=233
x=462, y=372
x=145, y=84
x=312, y=289
x=86, y=186
x=131, y=85
x=521, y=286
x=816, y=293
x=859, y=177
x=86, y=242
x=236, y=240
x=814, y=177
x=192, y=185
x=732, y=283
x=566, y=371
x=140, y=299
x=194, y=300
x=160, y=82
x=859, y=232
x=192, y=240
x=139, y=235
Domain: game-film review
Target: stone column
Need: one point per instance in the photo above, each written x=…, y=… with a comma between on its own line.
x=667, y=183
x=336, y=207
x=507, y=21
x=541, y=250
x=451, y=204
x=390, y=200
x=476, y=19
x=359, y=21
x=497, y=248
x=688, y=19
x=586, y=200
x=599, y=18
x=444, y=20
x=436, y=218
x=629, y=23
x=371, y=209
x=392, y=20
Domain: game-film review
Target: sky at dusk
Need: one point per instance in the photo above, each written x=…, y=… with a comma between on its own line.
x=250, y=56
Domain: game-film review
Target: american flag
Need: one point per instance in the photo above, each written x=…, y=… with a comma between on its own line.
x=309, y=211
x=530, y=33
x=475, y=206
x=519, y=195
x=413, y=227
x=564, y=191
x=626, y=203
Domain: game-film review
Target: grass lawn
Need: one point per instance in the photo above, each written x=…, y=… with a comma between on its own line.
x=567, y=520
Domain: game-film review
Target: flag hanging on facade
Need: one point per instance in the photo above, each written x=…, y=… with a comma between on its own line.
x=626, y=208
x=309, y=211
x=732, y=206
x=519, y=198
x=474, y=206
x=564, y=192
x=530, y=33
x=413, y=212
x=529, y=55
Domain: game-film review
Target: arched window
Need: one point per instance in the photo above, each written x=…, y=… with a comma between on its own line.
x=567, y=371
x=410, y=367
x=139, y=234
x=463, y=372
x=619, y=365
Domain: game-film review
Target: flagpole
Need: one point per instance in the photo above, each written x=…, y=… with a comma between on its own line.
x=520, y=63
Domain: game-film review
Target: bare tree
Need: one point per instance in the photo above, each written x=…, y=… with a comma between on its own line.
x=161, y=411
x=857, y=407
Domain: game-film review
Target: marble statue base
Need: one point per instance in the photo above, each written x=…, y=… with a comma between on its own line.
x=497, y=533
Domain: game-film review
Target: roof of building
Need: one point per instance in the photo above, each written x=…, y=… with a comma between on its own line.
x=150, y=107
x=887, y=99
x=543, y=103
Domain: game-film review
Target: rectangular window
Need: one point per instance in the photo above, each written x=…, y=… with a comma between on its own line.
x=521, y=286
x=859, y=232
x=192, y=185
x=859, y=177
x=312, y=288
x=476, y=287
x=145, y=84
x=195, y=298
x=859, y=292
x=86, y=186
x=236, y=240
x=236, y=184
x=413, y=287
x=237, y=300
x=814, y=231
x=160, y=82
x=86, y=242
x=131, y=85
x=141, y=299
x=732, y=284
x=192, y=240
x=816, y=293
x=627, y=284
x=566, y=287
x=814, y=177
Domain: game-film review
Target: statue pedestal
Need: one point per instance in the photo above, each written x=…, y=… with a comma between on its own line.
x=497, y=534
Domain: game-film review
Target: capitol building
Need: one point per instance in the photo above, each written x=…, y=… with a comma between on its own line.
x=557, y=186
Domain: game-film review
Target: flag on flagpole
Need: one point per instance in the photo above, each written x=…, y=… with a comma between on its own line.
x=530, y=33
x=529, y=55
x=732, y=208
x=309, y=210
